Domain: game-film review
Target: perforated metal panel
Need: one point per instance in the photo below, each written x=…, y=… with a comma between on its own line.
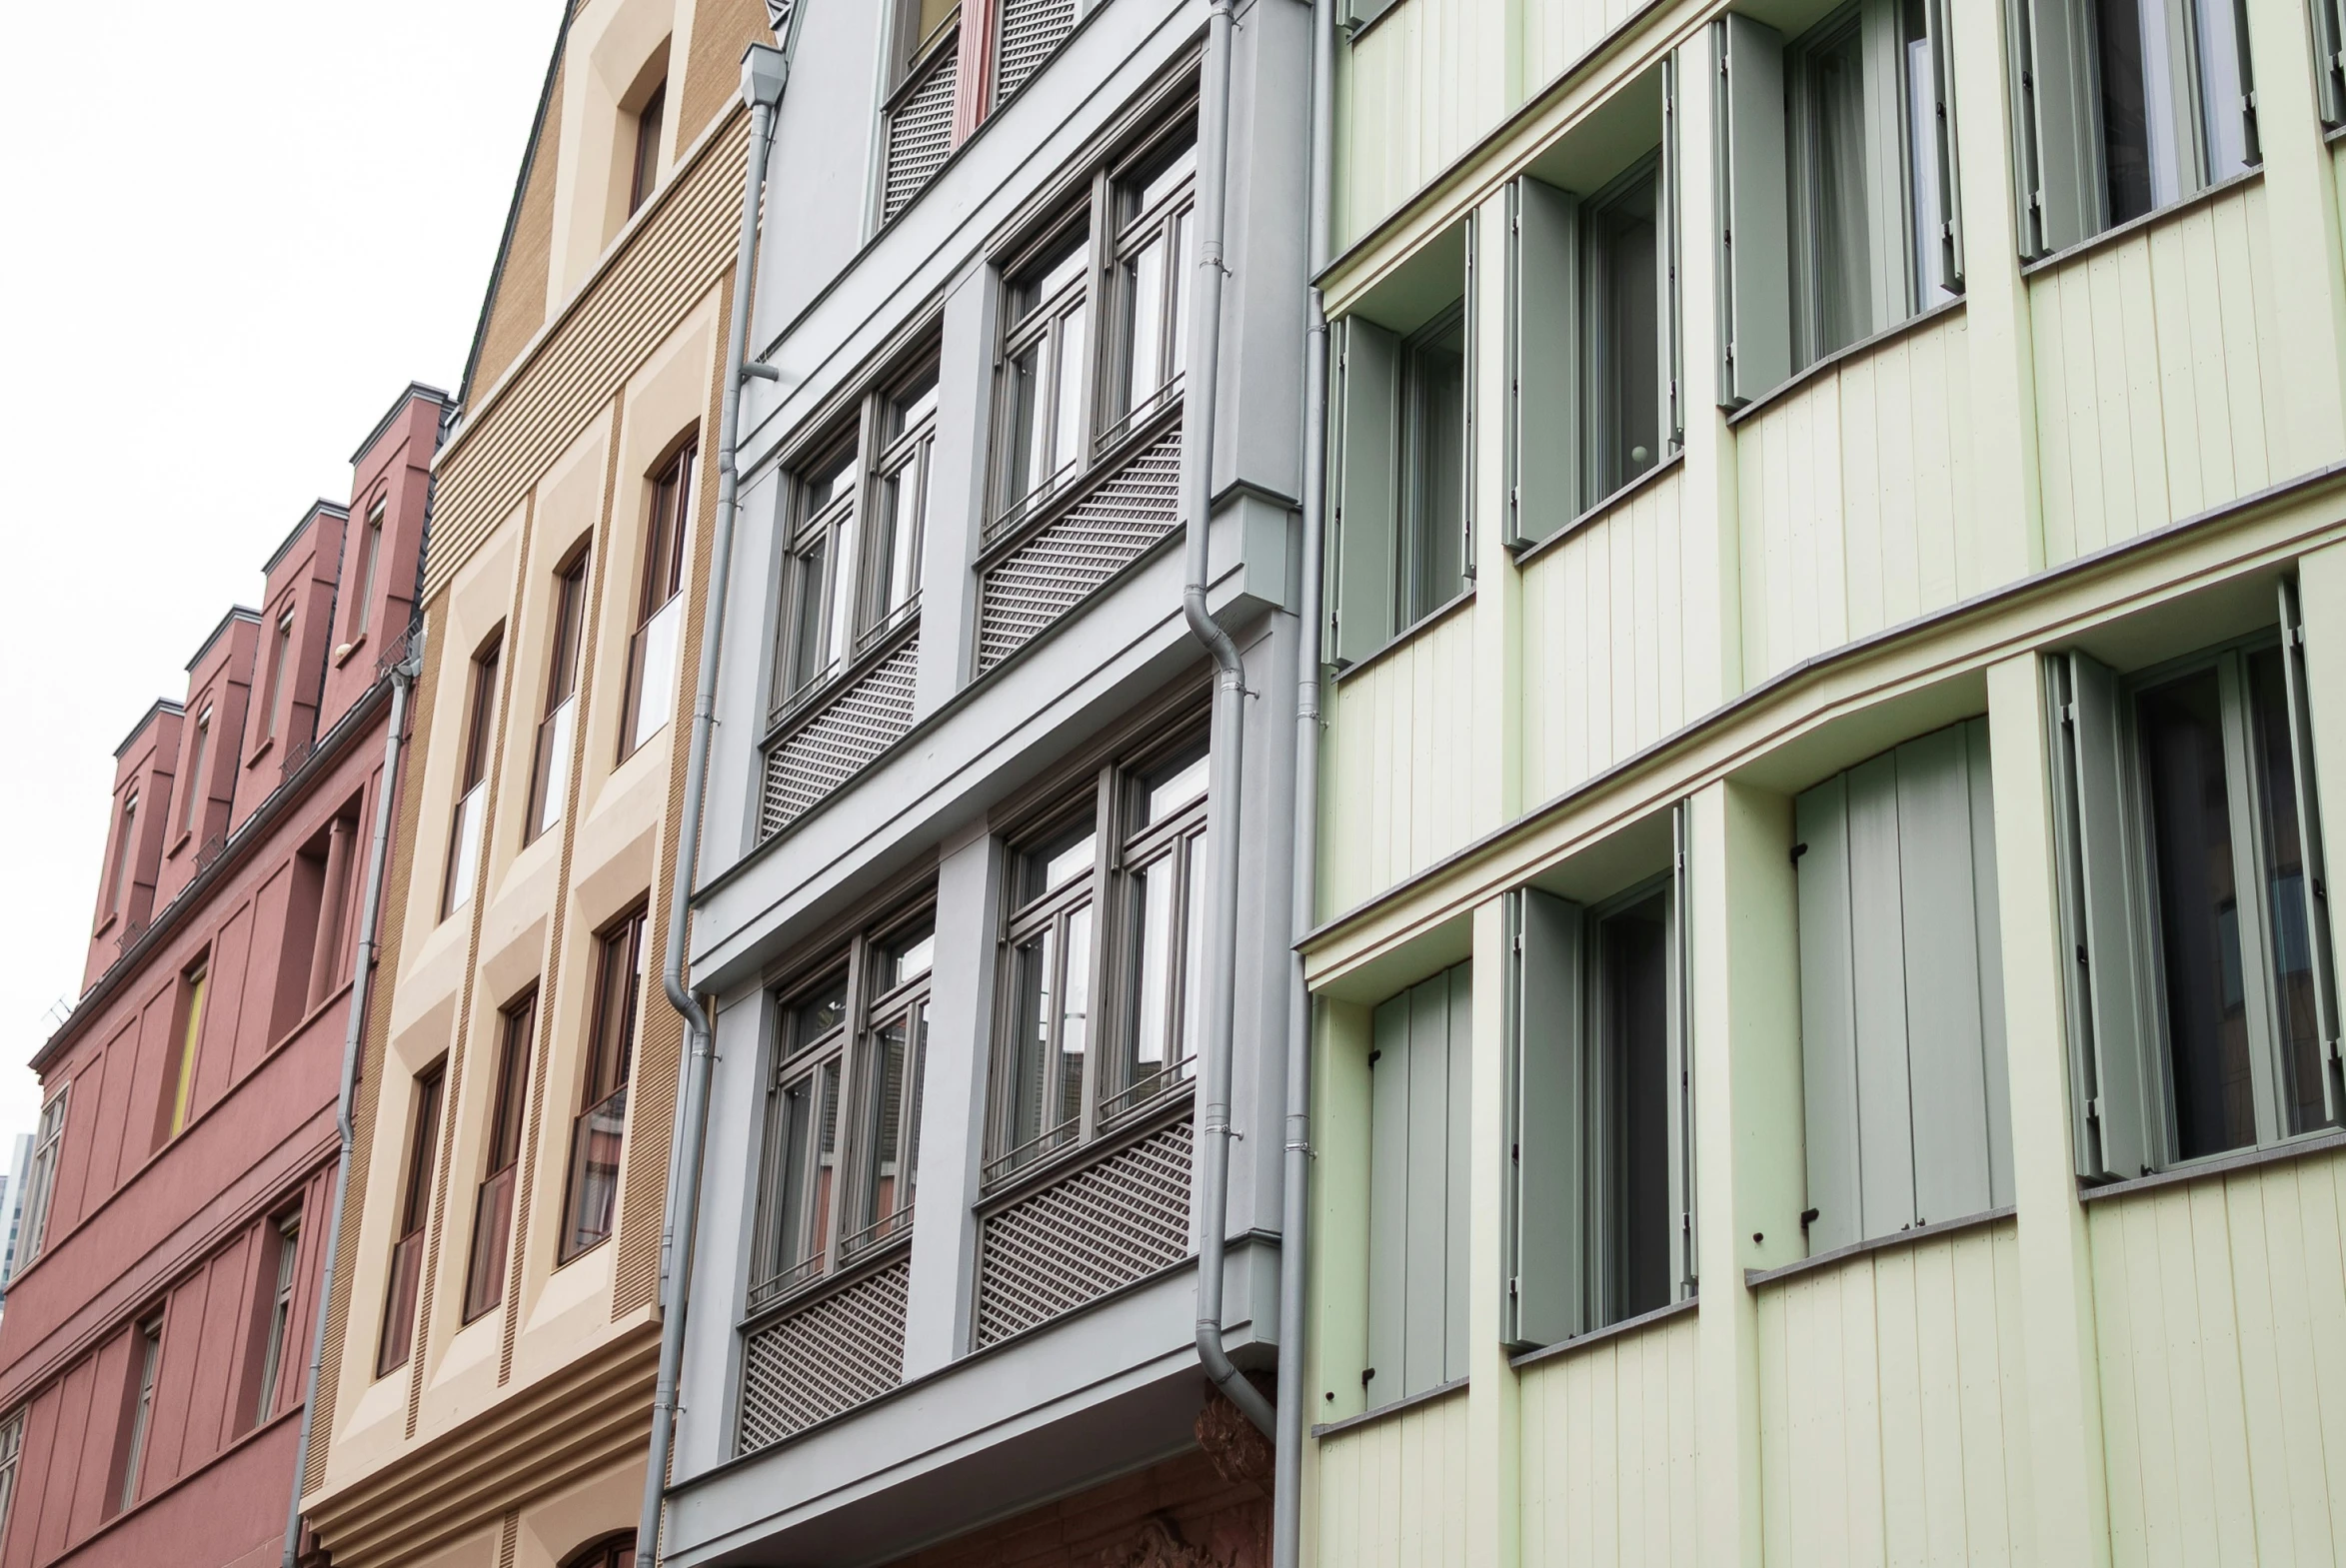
x=1105, y=1226
x=1030, y=29
x=843, y=1350
x=1059, y=568
x=830, y=749
x=920, y=133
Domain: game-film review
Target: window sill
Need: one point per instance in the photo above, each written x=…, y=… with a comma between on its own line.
x=796, y=713
x=1080, y=1155
x=1408, y=635
x=1625, y=1327
x=1753, y=1279
x=2304, y=1146
x=267, y=745
x=2119, y=233
x=349, y=651
x=1844, y=355
x=806, y=1293
x=1398, y=1407
x=1527, y=551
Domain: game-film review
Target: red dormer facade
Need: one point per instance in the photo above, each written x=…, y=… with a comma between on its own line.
x=160, y=1318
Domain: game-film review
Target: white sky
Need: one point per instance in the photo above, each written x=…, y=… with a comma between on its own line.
x=234, y=232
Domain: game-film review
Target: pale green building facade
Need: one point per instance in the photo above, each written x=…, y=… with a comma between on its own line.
x=1826, y=1029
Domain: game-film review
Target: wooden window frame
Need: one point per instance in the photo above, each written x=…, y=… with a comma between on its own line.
x=468, y=829
x=550, y=762
x=660, y=593
x=487, y=1265
x=426, y=1107
x=621, y=956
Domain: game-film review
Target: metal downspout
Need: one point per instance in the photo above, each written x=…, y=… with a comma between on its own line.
x=403, y=680
x=1229, y=695
x=765, y=72
x=1286, y=1508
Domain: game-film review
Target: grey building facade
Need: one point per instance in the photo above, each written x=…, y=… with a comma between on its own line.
x=952, y=893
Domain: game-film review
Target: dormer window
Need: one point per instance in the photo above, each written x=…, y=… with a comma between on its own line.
x=195, y=772
x=280, y=655
x=646, y=169
x=125, y=846
x=361, y=608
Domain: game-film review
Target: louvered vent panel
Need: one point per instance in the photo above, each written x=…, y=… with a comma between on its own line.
x=830, y=749
x=920, y=133
x=1056, y=570
x=834, y=1355
x=1030, y=29
x=1105, y=1226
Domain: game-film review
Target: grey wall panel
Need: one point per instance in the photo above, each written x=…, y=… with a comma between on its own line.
x=1995, y=1073
x=1885, y=1131
x=1550, y=1174
x=1829, y=1021
x=1456, y=1267
x=1544, y=282
x=1425, y=1330
x=1388, y=1196
x=1943, y=1023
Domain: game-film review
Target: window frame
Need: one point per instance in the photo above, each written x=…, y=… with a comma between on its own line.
x=41, y=1178
x=142, y=1410
x=11, y=1463
x=287, y=1228
x=663, y=566
x=549, y=763
x=125, y=851
x=467, y=830
x=1602, y=356
x=188, y=1026
x=644, y=166
x=362, y=605
x=280, y=660
x=427, y=1104
x=606, y=1074
x=487, y=1262
x=191, y=804
x=1416, y=526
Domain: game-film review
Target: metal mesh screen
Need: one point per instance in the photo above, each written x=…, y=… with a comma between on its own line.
x=1108, y=1225
x=1030, y=29
x=830, y=749
x=841, y=1351
x=1059, y=568
x=920, y=133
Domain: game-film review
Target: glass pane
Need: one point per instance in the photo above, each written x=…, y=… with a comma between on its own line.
x=2295, y=1016
x=1433, y=545
x=1635, y=1109
x=1177, y=259
x=1075, y=1017
x=1030, y=1041
x=1152, y=917
x=1168, y=177
x=826, y=1165
x=2126, y=129
x=1056, y=861
x=903, y=957
x=549, y=770
x=815, y=1016
x=1175, y=786
x=2198, y=909
x=913, y=403
x=827, y=483
x=1922, y=161
x=1193, y=946
x=1144, y=297
x=1068, y=395
x=891, y=1133
x=593, y=1173
x=1842, y=288
x=841, y=623
x=655, y=694
x=2225, y=127
x=897, y=544
x=1626, y=440
x=1024, y=463
x=808, y=643
x=795, y=1116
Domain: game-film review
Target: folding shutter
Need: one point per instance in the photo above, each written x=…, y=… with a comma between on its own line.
x=1549, y=1296
x=2062, y=197
x=1455, y=1263
x=1888, y=225
x=1367, y=430
x=1544, y=286
x=1942, y=149
x=2106, y=1021
x=1388, y=1193
x=2313, y=885
x=1885, y=1128
x=2329, y=65
x=1829, y=1015
x=1755, y=290
x=1674, y=368
x=1990, y=946
x=1682, y=1034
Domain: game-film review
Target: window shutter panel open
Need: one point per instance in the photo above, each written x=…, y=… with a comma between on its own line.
x=1368, y=423
x=1950, y=169
x=2329, y=42
x=1682, y=1150
x=1455, y=1264
x=2107, y=993
x=1829, y=1015
x=1990, y=940
x=1756, y=299
x=1885, y=1128
x=1550, y=1292
x=1674, y=354
x=1886, y=198
x=1388, y=1193
x=2061, y=196
x=1543, y=285
x=2313, y=885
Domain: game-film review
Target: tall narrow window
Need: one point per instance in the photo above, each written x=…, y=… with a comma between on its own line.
x=1167, y=870
x=472, y=804
x=1052, y=985
x=415, y=1208
x=1432, y=567
x=191, y=986
x=822, y=572
x=901, y=517
x=803, y=1127
x=280, y=655
x=125, y=851
x=644, y=175
x=1031, y=30
x=280, y=1320
x=362, y=604
x=1154, y=211
x=601, y=1128
x=41, y=1180
x=922, y=91
x=188, y=813
x=549, y=767
x=1046, y=382
x=11, y=1455
x=1621, y=324
x=660, y=604
x=888, y=1134
x=147, y=1351
x=493, y=1205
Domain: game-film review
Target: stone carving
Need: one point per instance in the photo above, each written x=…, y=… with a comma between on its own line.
x=1236, y=1446
x=1158, y=1544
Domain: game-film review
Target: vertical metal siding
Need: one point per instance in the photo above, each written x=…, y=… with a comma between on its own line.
x=1609, y=1439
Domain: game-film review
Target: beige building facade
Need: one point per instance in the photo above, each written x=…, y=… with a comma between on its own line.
x=486, y=1390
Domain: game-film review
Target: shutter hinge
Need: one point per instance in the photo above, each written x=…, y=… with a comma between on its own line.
x=1373, y=1055
x=1798, y=850
x=2069, y=715
x=1518, y=939
x=2093, y=1111
x=2297, y=637
x=1515, y=1288
x=2330, y=1052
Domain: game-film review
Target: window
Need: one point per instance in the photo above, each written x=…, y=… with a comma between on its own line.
x=415, y=1207
x=550, y=766
x=1100, y=1008
x=125, y=850
x=41, y=1180
x=362, y=604
x=921, y=101
x=472, y=804
x=493, y=1207
x=279, y=1322
x=2124, y=107
x=1031, y=30
x=147, y=1357
x=613, y=1551
x=1838, y=217
x=644, y=171
x=843, y=1109
x=195, y=773
x=11, y=1455
x=848, y=585
x=660, y=606
x=2203, y=1021
x=595, y=1136
x=1419, y=1075
x=191, y=986
x=1908, y=1113
x=1603, y=1203
x=1093, y=345
x=280, y=652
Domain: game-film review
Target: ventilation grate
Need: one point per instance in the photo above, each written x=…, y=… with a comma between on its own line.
x=833, y=746
x=1061, y=566
x=844, y=1349
x=1104, y=1227
x=1030, y=29
x=920, y=133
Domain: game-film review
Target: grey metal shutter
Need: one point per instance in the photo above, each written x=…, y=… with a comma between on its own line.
x=1755, y=289
x=2107, y=1030
x=1425, y=1330
x=919, y=132
x=2313, y=884
x=2060, y=136
x=1418, y=1189
x=1543, y=430
x=1367, y=425
x=1031, y=30
x=1550, y=1293
x=1684, y=1149
x=2329, y=63
x=1828, y=1018
x=1942, y=148
x=1388, y=1192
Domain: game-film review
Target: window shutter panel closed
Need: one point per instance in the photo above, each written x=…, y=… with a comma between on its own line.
x=1828, y=1015
x=1755, y=291
x=1425, y=1330
x=2062, y=195
x=1544, y=283
x=1369, y=422
x=2105, y=1001
x=1456, y=1265
x=1031, y=30
x=1388, y=1192
x=1550, y=1196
